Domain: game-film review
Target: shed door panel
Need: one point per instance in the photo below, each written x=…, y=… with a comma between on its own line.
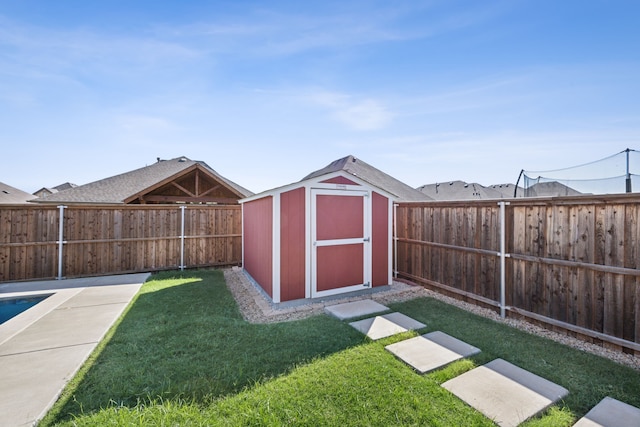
x=340, y=252
x=340, y=266
x=339, y=217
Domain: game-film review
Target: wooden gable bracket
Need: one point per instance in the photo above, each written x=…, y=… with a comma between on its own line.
x=184, y=190
x=196, y=196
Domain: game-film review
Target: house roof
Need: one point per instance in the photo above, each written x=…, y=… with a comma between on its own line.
x=550, y=189
x=373, y=176
x=126, y=187
x=507, y=190
x=50, y=190
x=460, y=190
x=10, y=195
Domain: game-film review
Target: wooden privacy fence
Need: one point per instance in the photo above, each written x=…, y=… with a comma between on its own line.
x=101, y=240
x=572, y=263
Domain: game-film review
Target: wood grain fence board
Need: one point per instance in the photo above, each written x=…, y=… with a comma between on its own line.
x=610, y=305
x=473, y=260
x=636, y=310
x=629, y=306
x=519, y=297
x=488, y=238
x=600, y=243
x=583, y=234
x=582, y=309
x=449, y=265
x=599, y=306
x=18, y=259
x=614, y=234
x=631, y=236
x=103, y=240
x=573, y=260
x=559, y=231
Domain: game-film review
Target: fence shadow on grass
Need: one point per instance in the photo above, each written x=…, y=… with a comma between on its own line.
x=184, y=338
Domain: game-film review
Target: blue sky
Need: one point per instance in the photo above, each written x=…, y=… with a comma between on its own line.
x=266, y=92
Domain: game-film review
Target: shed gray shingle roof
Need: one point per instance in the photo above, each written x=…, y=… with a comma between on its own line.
x=373, y=176
x=118, y=188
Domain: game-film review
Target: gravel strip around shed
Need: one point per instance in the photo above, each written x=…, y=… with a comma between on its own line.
x=256, y=308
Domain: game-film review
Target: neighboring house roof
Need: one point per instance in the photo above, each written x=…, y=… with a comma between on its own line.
x=64, y=186
x=507, y=191
x=44, y=191
x=10, y=195
x=550, y=189
x=161, y=182
x=373, y=176
x=460, y=190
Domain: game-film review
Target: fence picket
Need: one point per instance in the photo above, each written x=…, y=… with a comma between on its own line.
x=574, y=260
x=102, y=240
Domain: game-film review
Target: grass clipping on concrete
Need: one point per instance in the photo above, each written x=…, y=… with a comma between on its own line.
x=183, y=355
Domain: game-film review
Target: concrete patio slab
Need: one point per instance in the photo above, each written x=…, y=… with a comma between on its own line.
x=42, y=348
x=386, y=325
x=610, y=413
x=102, y=295
x=64, y=327
x=32, y=382
x=349, y=310
x=505, y=393
x=431, y=351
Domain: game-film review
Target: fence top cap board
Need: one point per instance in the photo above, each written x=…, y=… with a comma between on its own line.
x=126, y=187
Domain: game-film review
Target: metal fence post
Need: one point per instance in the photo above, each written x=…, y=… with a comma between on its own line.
x=61, y=241
x=182, y=208
x=503, y=256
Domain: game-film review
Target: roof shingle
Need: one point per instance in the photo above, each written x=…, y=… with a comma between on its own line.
x=10, y=195
x=373, y=176
x=119, y=188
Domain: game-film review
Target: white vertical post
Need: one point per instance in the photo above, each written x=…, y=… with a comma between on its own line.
x=395, y=240
x=503, y=256
x=182, y=208
x=275, y=248
x=60, y=238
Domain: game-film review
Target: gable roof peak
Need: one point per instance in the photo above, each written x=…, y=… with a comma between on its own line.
x=361, y=169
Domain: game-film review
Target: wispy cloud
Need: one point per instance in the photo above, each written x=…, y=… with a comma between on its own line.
x=83, y=51
x=357, y=113
x=272, y=32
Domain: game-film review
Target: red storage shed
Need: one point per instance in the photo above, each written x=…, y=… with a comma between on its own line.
x=330, y=233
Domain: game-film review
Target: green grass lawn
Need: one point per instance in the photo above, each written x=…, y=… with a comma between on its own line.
x=183, y=355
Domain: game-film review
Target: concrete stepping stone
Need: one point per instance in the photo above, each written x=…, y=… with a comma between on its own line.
x=431, y=351
x=610, y=413
x=386, y=325
x=360, y=308
x=505, y=393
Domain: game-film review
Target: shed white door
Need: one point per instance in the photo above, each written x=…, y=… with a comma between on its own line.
x=340, y=240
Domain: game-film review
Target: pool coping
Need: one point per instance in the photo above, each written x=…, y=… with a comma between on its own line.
x=44, y=346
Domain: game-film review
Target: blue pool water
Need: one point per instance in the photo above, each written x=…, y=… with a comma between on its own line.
x=11, y=307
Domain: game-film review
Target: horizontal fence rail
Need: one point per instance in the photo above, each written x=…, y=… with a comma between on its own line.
x=41, y=242
x=572, y=263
